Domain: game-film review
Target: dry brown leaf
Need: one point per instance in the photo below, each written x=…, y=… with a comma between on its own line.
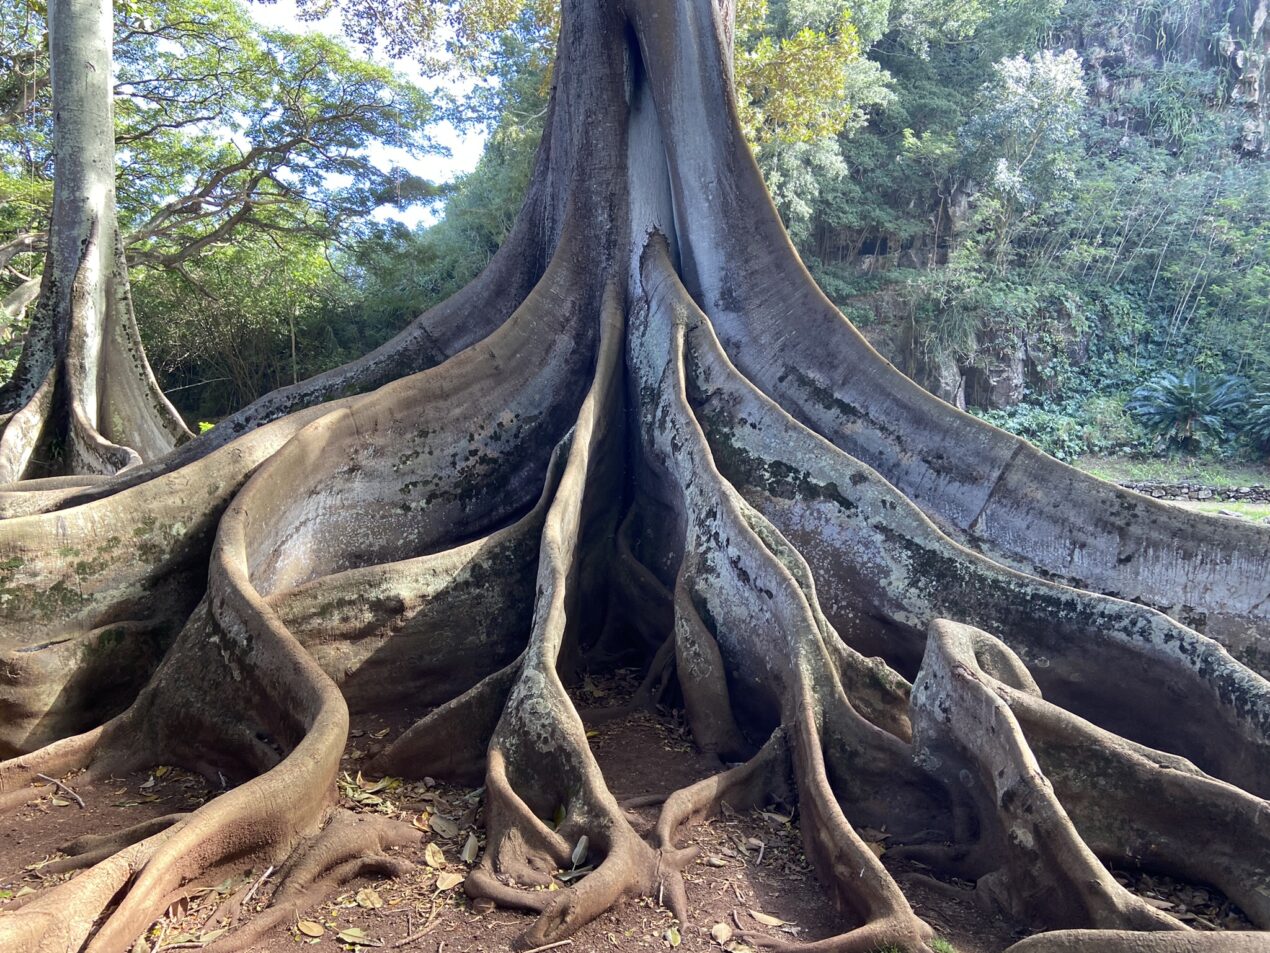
x=309, y=928
x=448, y=880
x=471, y=849
x=434, y=857
x=767, y=919
x=444, y=826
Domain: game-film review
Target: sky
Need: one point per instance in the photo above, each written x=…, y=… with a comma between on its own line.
x=464, y=149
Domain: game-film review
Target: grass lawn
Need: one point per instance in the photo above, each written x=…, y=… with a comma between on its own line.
x=1180, y=470
x=1252, y=511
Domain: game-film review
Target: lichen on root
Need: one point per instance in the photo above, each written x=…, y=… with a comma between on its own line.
x=641, y=434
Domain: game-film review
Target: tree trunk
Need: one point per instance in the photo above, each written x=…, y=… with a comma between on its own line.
x=646, y=433
x=83, y=399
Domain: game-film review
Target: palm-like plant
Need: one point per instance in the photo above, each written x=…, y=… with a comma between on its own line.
x=1188, y=410
x=1257, y=423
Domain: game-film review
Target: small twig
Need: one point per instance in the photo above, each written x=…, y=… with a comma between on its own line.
x=78, y=800
x=646, y=800
x=256, y=886
x=423, y=931
x=550, y=946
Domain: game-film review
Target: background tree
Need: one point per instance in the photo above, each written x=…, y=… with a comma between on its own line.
x=227, y=134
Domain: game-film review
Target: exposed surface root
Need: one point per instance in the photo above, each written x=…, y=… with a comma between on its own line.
x=540, y=765
x=349, y=847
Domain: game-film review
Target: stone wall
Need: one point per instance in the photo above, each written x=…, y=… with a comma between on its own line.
x=1258, y=493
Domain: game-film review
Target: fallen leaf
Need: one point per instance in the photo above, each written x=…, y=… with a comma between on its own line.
x=308, y=928
x=60, y=802
x=776, y=818
x=767, y=919
x=354, y=936
x=444, y=826
x=470, y=850
x=213, y=934
x=580, y=850
x=421, y=822
x=369, y=899
x=672, y=936
x=720, y=933
x=448, y=880
x=434, y=857
x=878, y=849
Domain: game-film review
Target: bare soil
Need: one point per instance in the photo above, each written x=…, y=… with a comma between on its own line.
x=751, y=877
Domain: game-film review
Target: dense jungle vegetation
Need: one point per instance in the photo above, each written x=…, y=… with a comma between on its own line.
x=1054, y=214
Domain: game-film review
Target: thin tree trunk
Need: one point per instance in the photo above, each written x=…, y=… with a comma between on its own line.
x=83, y=398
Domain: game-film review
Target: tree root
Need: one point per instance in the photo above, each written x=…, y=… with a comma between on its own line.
x=94, y=848
x=539, y=761
x=1120, y=941
x=349, y=847
x=872, y=543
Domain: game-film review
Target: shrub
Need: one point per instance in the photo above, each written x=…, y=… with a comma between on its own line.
x=1257, y=423
x=1189, y=411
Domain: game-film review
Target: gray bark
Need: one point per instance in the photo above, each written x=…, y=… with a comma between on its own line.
x=83, y=398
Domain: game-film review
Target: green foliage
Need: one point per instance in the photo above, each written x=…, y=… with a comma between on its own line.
x=247, y=158
x=1188, y=410
x=246, y=302
x=1072, y=429
x=801, y=77
x=1257, y=422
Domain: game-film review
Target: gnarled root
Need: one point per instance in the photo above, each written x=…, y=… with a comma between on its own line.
x=349, y=847
x=540, y=765
x=1046, y=873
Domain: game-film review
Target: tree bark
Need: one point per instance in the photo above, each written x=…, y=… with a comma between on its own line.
x=83, y=398
x=644, y=431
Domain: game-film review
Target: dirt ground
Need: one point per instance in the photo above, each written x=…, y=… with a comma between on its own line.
x=750, y=879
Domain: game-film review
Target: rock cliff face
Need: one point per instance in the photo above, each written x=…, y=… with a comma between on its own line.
x=1231, y=37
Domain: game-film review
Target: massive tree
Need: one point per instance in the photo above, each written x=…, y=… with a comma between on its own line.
x=644, y=431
